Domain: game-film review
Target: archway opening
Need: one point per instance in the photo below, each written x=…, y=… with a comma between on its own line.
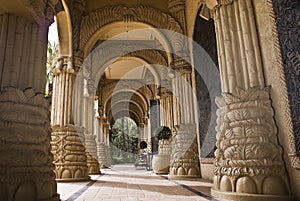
x=124, y=140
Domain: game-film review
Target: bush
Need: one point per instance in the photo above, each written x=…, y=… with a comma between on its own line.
x=143, y=145
x=163, y=133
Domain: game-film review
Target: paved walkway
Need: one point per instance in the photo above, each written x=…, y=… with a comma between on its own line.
x=125, y=183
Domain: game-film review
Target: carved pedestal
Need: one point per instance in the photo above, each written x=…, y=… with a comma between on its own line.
x=69, y=154
x=101, y=152
x=91, y=153
x=184, y=158
x=108, y=155
x=164, y=147
x=26, y=171
x=249, y=162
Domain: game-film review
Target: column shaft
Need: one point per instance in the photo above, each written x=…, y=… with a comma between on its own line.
x=184, y=158
x=248, y=164
x=26, y=163
x=68, y=140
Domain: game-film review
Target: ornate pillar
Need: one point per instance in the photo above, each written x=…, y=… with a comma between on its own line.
x=90, y=137
x=26, y=162
x=166, y=105
x=107, y=147
x=101, y=152
x=67, y=139
x=249, y=163
x=91, y=151
x=184, y=158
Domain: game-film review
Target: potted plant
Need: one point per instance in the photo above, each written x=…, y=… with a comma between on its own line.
x=163, y=135
x=161, y=162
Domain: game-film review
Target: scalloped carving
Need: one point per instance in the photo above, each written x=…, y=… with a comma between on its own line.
x=25, y=144
x=146, y=14
x=245, y=138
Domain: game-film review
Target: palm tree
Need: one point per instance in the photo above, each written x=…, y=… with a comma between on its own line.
x=51, y=56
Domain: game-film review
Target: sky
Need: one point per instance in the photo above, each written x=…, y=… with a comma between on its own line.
x=53, y=36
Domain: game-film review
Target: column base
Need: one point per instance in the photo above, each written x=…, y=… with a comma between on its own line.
x=182, y=177
x=249, y=197
x=73, y=179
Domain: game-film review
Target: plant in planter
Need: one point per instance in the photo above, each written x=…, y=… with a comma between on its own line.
x=163, y=134
x=143, y=145
x=161, y=162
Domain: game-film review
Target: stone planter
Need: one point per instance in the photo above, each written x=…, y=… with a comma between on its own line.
x=161, y=163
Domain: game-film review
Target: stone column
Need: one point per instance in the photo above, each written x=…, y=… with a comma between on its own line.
x=91, y=151
x=107, y=147
x=67, y=139
x=249, y=163
x=26, y=161
x=166, y=105
x=184, y=158
x=90, y=138
x=101, y=152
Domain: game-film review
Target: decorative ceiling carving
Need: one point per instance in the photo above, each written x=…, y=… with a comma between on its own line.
x=144, y=14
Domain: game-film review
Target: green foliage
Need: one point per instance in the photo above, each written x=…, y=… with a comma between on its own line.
x=143, y=145
x=163, y=133
x=52, y=53
x=124, y=139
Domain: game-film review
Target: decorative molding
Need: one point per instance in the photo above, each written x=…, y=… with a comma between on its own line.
x=150, y=56
x=26, y=161
x=69, y=153
x=91, y=152
x=248, y=156
x=36, y=8
x=102, y=156
x=207, y=160
x=287, y=60
x=181, y=65
x=184, y=158
x=144, y=14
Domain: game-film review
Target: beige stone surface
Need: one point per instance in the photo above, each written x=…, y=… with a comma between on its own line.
x=255, y=156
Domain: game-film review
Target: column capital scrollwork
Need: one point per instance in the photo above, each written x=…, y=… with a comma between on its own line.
x=213, y=4
x=181, y=65
x=176, y=5
x=164, y=93
x=63, y=63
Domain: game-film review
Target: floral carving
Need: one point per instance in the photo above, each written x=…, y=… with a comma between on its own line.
x=25, y=144
x=69, y=153
x=95, y=20
x=246, y=138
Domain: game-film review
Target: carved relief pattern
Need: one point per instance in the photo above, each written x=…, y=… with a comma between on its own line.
x=95, y=20
x=184, y=158
x=102, y=158
x=286, y=33
x=248, y=156
x=69, y=153
x=108, y=155
x=26, y=162
x=91, y=152
x=165, y=147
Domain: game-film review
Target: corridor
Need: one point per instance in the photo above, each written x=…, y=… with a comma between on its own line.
x=125, y=183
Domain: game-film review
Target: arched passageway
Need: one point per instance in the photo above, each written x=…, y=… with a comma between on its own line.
x=137, y=60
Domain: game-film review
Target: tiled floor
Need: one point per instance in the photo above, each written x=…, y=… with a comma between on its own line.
x=125, y=183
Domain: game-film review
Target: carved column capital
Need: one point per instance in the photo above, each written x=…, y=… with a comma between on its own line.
x=63, y=63
x=164, y=92
x=176, y=5
x=213, y=4
x=181, y=65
